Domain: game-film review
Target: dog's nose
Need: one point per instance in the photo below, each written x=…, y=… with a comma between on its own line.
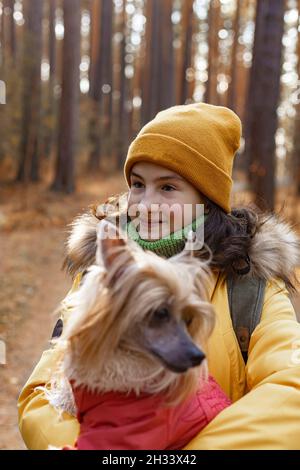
x=197, y=357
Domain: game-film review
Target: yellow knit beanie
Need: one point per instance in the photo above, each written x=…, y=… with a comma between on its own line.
x=198, y=141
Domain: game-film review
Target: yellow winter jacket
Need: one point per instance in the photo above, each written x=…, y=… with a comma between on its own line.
x=265, y=413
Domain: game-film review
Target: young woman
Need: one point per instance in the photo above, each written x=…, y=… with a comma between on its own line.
x=182, y=157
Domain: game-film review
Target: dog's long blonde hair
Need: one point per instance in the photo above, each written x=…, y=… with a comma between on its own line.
x=105, y=307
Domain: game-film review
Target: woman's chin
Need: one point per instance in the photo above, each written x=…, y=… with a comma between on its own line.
x=154, y=233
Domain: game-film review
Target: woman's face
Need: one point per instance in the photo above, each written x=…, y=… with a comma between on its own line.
x=161, y=201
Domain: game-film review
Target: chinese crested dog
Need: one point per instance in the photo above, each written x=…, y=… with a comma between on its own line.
x=133, y=349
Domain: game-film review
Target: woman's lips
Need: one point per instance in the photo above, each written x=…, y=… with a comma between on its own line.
x=150, y=223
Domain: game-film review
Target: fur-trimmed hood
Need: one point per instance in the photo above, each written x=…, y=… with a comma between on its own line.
x=274, y=249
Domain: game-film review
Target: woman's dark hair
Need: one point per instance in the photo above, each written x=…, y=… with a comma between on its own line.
x=229, y=237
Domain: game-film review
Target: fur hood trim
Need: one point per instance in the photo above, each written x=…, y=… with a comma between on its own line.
x=274, y=251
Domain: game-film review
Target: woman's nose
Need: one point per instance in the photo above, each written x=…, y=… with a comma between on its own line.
x=148, y=205
x=149, y=201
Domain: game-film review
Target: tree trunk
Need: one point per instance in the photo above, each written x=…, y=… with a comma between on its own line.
x=31, y=106
x=146, y=72
x=96, y=6
x=122, y=117
x=8, y=32
x=167, y=87
x=263, y=98
x=214, y=13
x=158, y=94
x=187, y=34
x=233, y=84
x=69, y=107
x=49, y=137
x=100, y=125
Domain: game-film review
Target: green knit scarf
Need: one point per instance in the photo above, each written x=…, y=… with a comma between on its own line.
x=167, y=246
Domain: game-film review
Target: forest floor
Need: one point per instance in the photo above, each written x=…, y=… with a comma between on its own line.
x=32, y=235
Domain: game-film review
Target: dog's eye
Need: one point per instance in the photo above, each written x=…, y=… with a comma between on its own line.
x=162, y=314
x=188, y=321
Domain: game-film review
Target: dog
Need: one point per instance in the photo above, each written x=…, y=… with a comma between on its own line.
x=132, y=353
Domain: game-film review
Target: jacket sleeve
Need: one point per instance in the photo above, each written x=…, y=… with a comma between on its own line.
x=39, y=423
x=268, y=416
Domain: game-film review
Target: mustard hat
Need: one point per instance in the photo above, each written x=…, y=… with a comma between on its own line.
x=198, y=141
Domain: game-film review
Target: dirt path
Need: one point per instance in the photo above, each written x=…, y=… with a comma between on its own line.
x=36, y=285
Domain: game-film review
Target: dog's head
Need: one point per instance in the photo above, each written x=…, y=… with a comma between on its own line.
x=138, y=302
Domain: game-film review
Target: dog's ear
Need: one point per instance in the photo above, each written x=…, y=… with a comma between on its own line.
x=110, y=243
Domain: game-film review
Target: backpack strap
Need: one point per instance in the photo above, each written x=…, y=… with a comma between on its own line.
x=245, y=298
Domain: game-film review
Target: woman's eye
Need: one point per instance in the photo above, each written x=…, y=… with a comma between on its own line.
x=136, y=184
x=168, y=188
